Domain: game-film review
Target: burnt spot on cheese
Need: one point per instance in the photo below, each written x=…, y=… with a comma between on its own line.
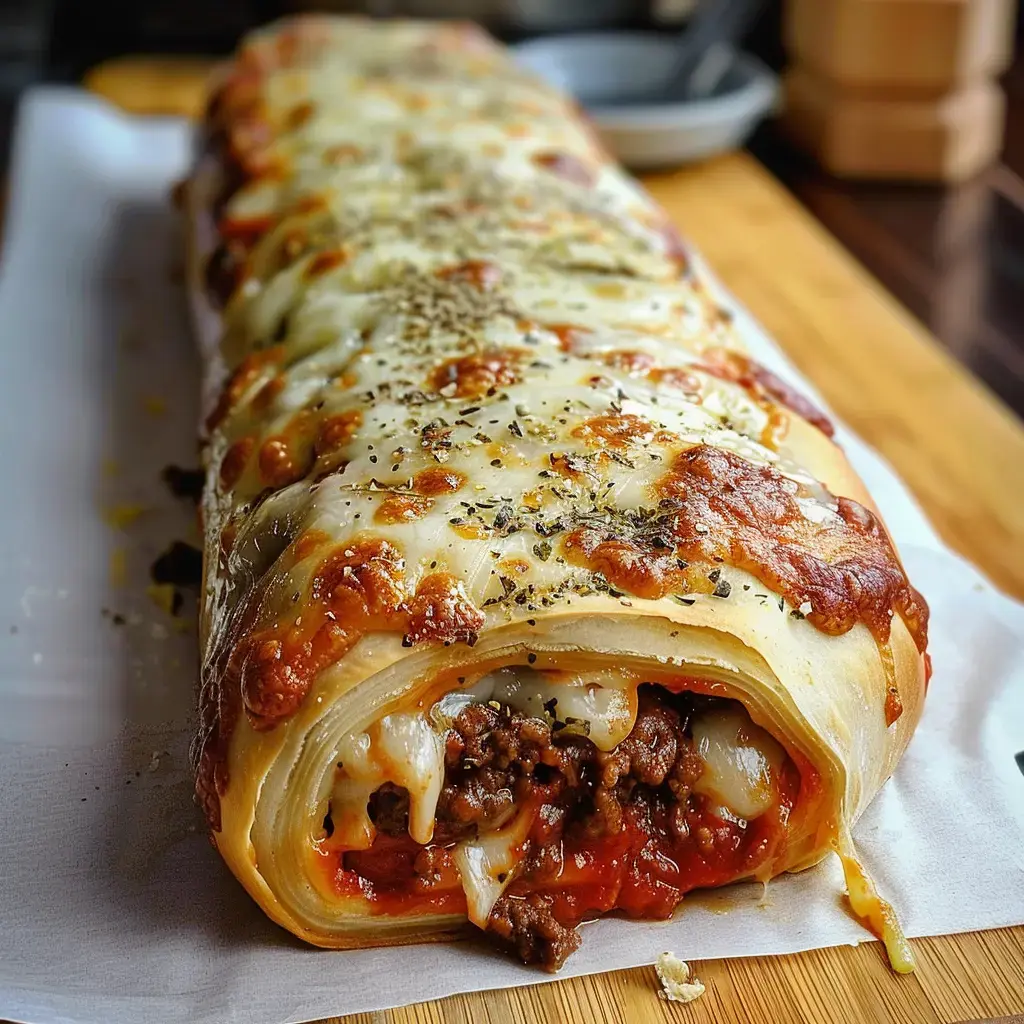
x=636, y=364
x=438, y=480
x=616, y=430
x=842, y=564
x=476, y=375
x=358, y=587
x=336, y=431
x=306, y=544
x=568, y=335
x=480, y=274
x=644, y=365
x=244, y=231
x=299, y=115
x=309, y=204
x=289, y=455
x=236, y=458
x=716, y=507
x=266, y=395
x=579, y=466
x=402, y=508
x=245, y=376
x=566, y=166
x=626, y=563
x=440, y=611
x=677, y=377
x=761, y=384
x=280, y=463
x=326, y=260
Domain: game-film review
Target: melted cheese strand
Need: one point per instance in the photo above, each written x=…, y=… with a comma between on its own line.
x=487, y=865
x=875, y=912
x=403, y=749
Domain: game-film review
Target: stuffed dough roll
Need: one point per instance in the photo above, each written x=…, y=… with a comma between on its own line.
x=528, y=594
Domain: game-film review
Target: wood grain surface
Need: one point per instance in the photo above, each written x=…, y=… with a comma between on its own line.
x=959, y=450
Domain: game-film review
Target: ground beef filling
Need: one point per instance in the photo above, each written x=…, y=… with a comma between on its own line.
x=617, y=830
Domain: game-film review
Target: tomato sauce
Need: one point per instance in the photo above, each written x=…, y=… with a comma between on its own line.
x=644, y=870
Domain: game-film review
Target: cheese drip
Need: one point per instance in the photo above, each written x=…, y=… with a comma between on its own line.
x=487, y=864
x=403, y=749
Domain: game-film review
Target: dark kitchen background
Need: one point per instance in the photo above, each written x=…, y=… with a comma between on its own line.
x=953, y=255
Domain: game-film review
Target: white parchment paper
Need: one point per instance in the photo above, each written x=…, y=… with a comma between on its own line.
x=113, y=905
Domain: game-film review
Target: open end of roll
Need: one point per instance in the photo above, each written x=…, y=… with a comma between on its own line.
x=535, y=797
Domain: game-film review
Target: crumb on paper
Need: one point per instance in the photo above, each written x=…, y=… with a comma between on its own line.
x=122, y=516
x=32, y=594
x=677, y=984
x=164, y=596
x=155, y=405
x=37, y=658
x=118, y=567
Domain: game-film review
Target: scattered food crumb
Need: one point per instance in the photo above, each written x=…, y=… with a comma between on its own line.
x=155, y=405
x=31, y=594
x=154, y=761
x=184, y=483
x=118, y=567
x=165, y=597
x=158, y=631
x=677, y=984
x=122, y=516
x=181, y=564
x=37, y=658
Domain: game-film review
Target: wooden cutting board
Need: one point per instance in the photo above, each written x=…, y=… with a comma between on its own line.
x=956, y=446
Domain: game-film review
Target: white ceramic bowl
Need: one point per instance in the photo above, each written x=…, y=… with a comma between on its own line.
x=595, y=66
